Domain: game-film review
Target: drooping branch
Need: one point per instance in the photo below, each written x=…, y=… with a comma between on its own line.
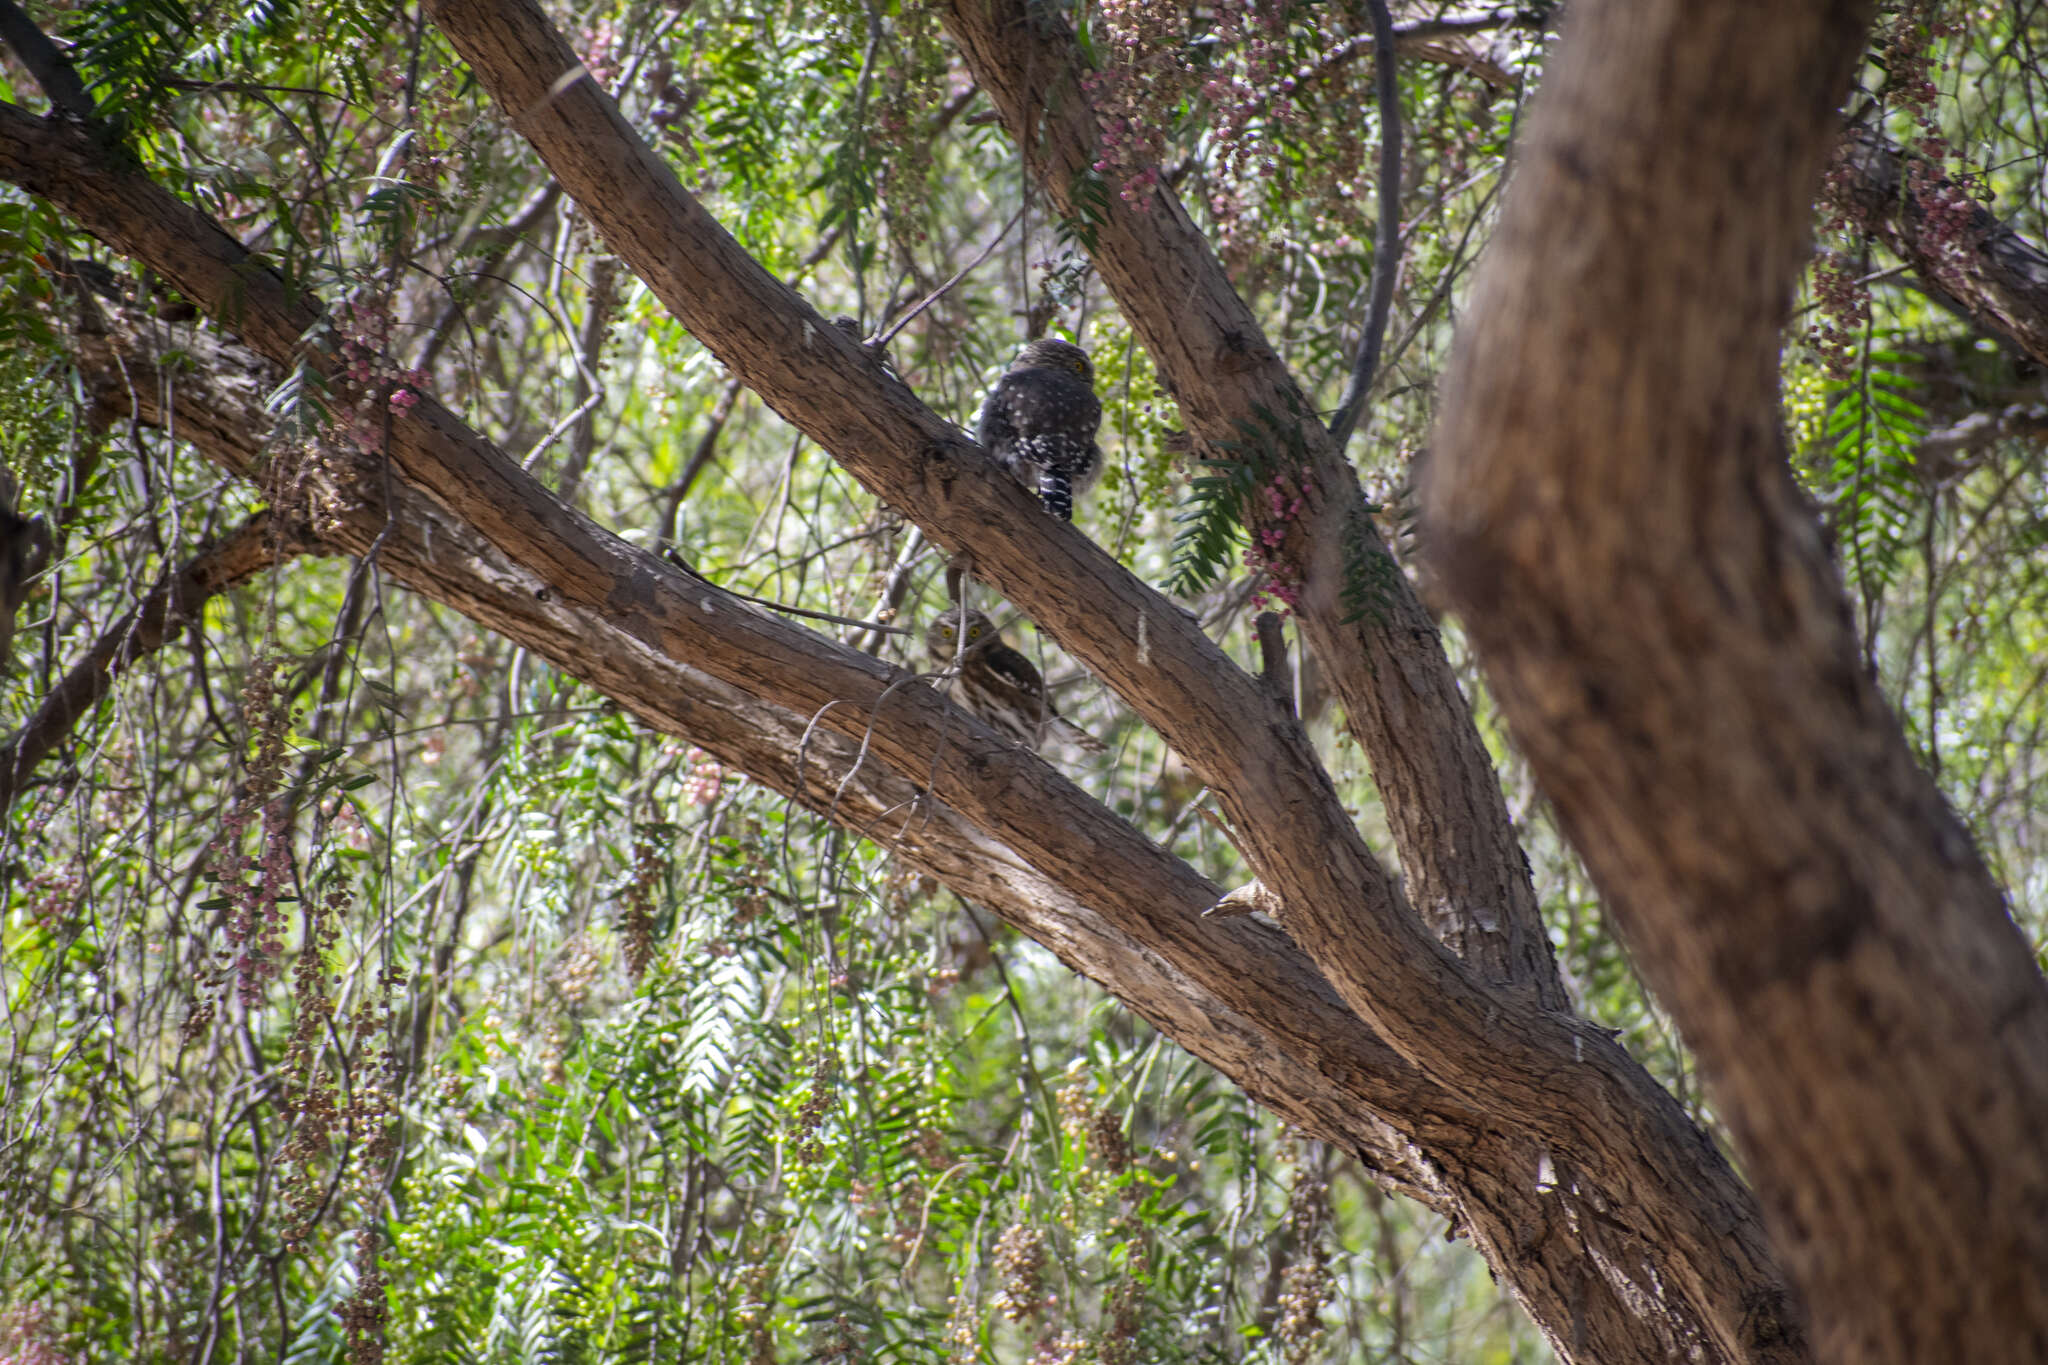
x=259, y=543
x=1682, y=672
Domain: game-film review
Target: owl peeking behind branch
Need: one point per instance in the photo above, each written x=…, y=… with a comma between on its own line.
x=994, y=682
x=1040, y=420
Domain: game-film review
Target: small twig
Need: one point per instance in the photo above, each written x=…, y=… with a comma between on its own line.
x=597, y=322
x=882, y=339
x=1386, y=251
x=894, y=588
x=1275, y=674
x=701, y=456
x=678, y=561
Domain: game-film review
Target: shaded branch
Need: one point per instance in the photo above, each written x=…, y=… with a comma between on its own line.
x=1378, y=646
x=636, y=629
x=1957, y=247
x=261, y=542
x=51, y=69
x=1386, y=241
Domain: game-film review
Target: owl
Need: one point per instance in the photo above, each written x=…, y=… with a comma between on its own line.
x=995, y=683
x=1040, y=419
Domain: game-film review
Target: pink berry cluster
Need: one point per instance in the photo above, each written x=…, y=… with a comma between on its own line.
x=599, y=44
x=29, y=1335
x=1948, y=211
x=1135, y=93
x=1253, y=97
x=1841, y=313
x=1283, y=505
x=364, y=331
x=253, y=886
x=705, y=779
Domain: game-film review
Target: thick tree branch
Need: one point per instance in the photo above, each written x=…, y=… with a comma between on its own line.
x=1296, y=1049
x=1681, y=670
x=1650, y=1182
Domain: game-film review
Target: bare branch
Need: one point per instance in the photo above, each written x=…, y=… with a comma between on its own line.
x=1386, y=240
x=260, y=543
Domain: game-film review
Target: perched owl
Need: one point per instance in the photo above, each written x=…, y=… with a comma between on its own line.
x=995, y=682
x=1040, y=420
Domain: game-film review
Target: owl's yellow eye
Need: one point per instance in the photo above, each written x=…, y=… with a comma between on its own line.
x=973, y=631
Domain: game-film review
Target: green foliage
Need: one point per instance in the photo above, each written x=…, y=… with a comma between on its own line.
x=1872, y=435
x=1213, y=519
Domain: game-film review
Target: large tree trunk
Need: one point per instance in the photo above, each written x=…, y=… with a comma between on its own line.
x=1612, y=511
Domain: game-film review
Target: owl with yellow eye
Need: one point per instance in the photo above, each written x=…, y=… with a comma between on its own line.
x=993, y=682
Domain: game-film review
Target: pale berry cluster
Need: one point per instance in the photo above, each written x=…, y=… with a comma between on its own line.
x=365, y=1313
x=29, y=1335
x=600, y=47
x=52, y=895
x=1020, y=1272
x=255, y=925
x=1306, y=1286
x=704, y=780
x=1059, y=1348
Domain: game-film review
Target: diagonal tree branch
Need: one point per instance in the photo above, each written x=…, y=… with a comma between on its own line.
x=260, y=543
x=1954, y=244
x=1295, y=1049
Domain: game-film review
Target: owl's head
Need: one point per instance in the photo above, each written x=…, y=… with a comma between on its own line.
x=1053, y=354
x=942, y=635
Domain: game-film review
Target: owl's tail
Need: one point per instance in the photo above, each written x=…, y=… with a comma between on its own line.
x=1056, y=491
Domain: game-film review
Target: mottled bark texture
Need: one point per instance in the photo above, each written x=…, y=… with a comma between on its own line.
x=1611, y=510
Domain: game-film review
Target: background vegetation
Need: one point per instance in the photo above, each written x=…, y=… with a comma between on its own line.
x=370, y=990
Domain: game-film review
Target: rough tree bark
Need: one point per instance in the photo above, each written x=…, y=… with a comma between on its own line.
x=1612, y=511
x=1640, y=1168
x=1954, y=244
